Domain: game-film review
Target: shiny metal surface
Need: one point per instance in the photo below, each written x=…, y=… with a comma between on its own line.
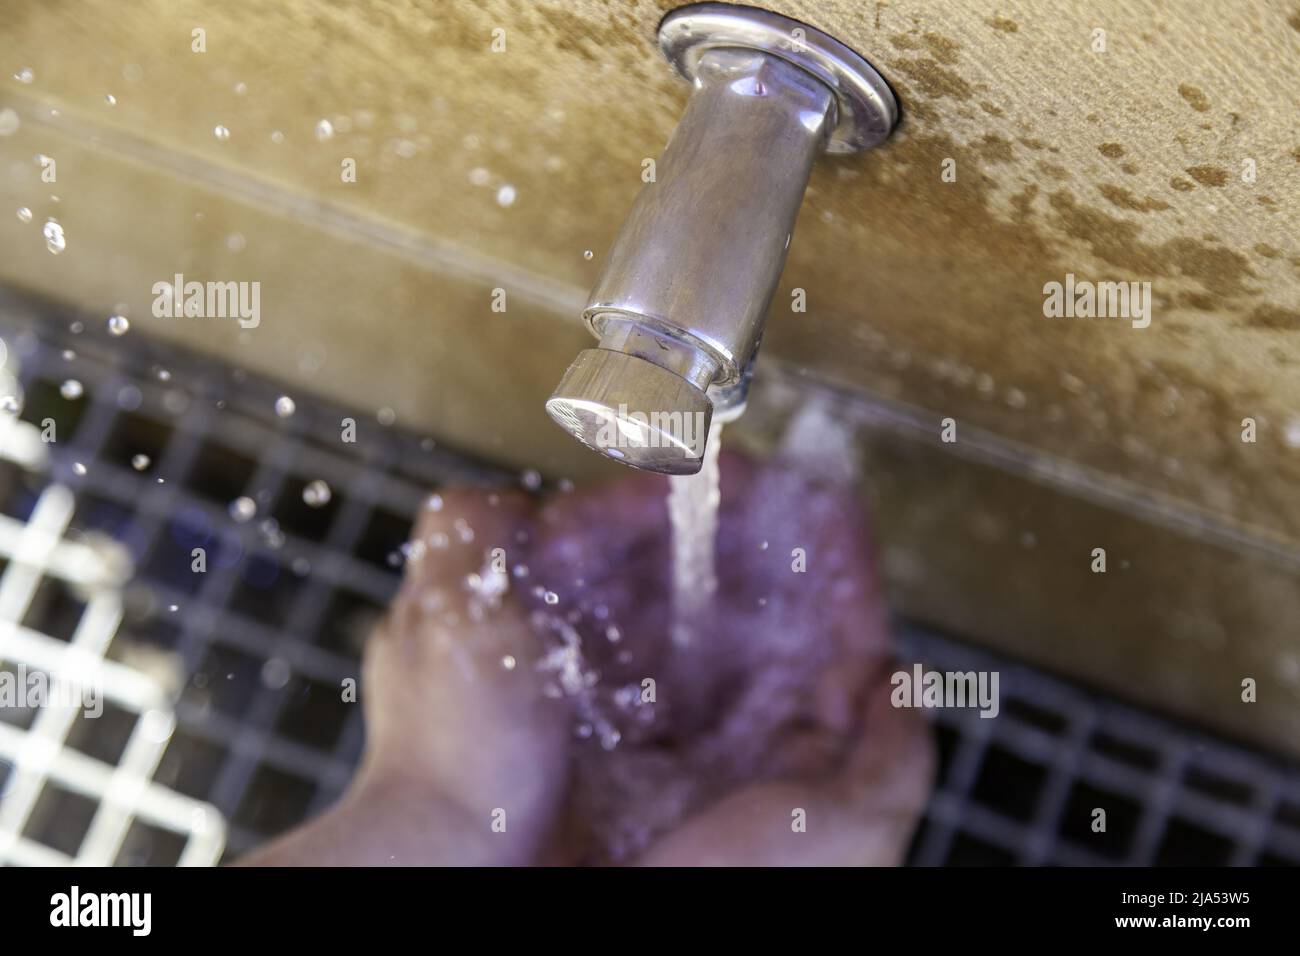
x=866, y=110
x=702, y=249
x=686, y=286
x=634, y=411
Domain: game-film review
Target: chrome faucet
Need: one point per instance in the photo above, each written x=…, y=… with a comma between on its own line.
x=680, y=303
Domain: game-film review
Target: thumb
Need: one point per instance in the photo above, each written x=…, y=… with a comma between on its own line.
x=862, y=816
x=453, y=697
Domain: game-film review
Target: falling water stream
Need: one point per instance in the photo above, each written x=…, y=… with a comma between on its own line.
x=693, y=513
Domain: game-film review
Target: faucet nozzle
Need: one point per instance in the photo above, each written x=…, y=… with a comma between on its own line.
x=680, y=303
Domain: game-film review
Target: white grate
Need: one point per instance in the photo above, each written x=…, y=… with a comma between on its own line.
x=39, y=755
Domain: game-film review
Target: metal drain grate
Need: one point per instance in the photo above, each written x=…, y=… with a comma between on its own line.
x=1021, y=788
x=258, y=645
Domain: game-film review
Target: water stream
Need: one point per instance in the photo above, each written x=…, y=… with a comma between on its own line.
x=693, y=514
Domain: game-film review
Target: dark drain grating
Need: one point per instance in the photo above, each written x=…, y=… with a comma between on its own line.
x=261, y=642
x=1023, y=787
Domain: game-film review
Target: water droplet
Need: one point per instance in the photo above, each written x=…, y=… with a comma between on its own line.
x=69, y=355
x=433, y=502
x=550, y=597
x=241, y=88
x=129, y=398
x=110, y=99
x=9, y=122
x=276, y=673
x=54, y=239
x=324, y=130
x=173, y=608
x=25, y=75
x=531, y=479
x=277, y=137
x=78, y=468
x=118, y=325
x=316, y=494
x=506, y=195
x=270, y=529
x=71, y=390
x=386, y=416
x=508, y=662
x=236, y=242
x=243, y=509
x=9, y=403
x=588, y=255
x=24, y=214
x=140, y=462
x=1073, y=384
x=613, y=634
x=285, y=407
x=479, y=176
x=221, y=133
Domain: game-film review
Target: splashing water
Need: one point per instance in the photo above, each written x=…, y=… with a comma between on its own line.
x=666, y=722
x=55, y=241
x=693, y=513
x=316, y=494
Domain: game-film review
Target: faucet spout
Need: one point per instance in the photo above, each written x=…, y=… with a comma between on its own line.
x=681, y=301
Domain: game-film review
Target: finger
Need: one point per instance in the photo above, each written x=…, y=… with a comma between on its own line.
x=455, y=660
x=459, y=532
x=603, y=552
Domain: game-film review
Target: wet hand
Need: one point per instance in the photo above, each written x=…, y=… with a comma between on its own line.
x=526, y=701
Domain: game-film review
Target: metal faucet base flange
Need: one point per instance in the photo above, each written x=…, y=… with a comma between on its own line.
x=866, y=110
